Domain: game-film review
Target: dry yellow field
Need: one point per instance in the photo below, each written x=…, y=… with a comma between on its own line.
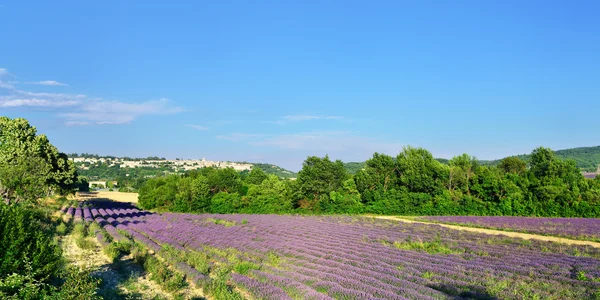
x=115, y=196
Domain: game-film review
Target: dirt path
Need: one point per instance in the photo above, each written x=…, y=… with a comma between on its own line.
x=526, y=236
x=125, y=280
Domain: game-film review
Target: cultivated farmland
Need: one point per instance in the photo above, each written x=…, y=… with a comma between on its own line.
x=340, y=257
x=575, y=228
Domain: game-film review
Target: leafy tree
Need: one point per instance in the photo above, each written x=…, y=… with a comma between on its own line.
x=226, y=180
x=225, y=203
x=378, y=176
x=200, y=194
x=318, y=178
x=419, y=171
x=462, y=169
x=512, y=164
x=32, y=159
x=541, y=161
x=271, y=196
x=256, y=176
x=346, y=200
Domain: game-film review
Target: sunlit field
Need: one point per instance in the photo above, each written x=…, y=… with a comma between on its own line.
x=341, y=257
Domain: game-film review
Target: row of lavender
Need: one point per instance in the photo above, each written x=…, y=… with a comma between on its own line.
x=576, y=228
x=355, y=258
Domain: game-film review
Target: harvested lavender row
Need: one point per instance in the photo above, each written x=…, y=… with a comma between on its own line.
x=191, y=273
x=110, y=229
x=578, y=228
x=365, y=258
x=78, y=214
x=87, y=214
x=71, y=211
x=259, y=289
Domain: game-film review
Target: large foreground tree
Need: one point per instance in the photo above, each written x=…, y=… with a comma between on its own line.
x=31, y=167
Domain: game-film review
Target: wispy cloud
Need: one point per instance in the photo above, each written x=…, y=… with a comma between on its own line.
x=6, y=85
x=115, y=112
x=79, y=109
x=310, y=117
x=197, y=127
x=33, y=102
x=48, y=83
x=4, y=72
x=76, y=123
x=314, y=141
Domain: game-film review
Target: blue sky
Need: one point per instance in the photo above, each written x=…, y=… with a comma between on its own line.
x=276, y=81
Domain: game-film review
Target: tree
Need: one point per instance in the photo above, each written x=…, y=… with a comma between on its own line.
x=256, y=176
x=224, y=180
x=28, y=159
x=419, y=171
x=462, y=170
x=319, y=177
x=512, y=164
x=378, y=176
x=271, y=196
x=541, y=159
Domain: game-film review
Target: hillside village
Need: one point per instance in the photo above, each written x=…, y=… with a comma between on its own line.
x=85, y=163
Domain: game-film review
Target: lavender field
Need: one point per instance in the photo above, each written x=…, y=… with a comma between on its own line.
x=576, y=228
x=338, y=257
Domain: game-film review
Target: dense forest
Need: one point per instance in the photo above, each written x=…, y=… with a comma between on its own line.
x=412, y=183
x=31, y=262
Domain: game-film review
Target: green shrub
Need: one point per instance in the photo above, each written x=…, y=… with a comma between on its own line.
x=199, y=261
x=78, y=284
x=175, y=282
x=85, y=243
x=62, y=228
x=139, y=254
x=244, y=267
x=123, y=246
x=23, y=239
x=79, y=230
x=219, y=289
x=93, y=229
x=112, y=252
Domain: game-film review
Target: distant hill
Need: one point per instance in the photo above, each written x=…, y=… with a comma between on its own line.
x=275, y=170
x=586, y=158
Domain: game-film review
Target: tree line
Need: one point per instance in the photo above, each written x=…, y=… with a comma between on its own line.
x=411, y=183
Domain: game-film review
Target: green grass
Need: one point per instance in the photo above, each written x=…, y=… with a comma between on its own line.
x=62, y=228
x=244, y=267
x=165, y=277
x=434, y=247
x=225, y=223
x=79, y=230
x=85, y=243
x=198, y=261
